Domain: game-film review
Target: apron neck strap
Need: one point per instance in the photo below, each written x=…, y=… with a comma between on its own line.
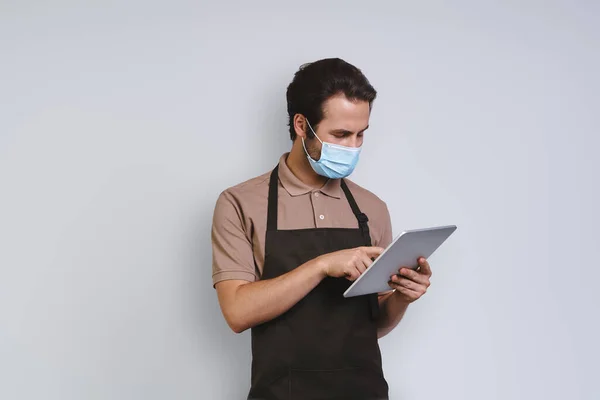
x=272, y=205
x=360, y=216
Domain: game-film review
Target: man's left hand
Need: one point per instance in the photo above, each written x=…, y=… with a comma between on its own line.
x=411, y=284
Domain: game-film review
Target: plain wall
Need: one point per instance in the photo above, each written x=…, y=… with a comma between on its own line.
x=121, y=122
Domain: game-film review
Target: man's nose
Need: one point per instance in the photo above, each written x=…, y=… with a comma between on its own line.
x=354, y=141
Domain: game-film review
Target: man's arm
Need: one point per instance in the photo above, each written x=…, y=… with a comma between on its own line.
x=392, y=309
x=408, y=285
x=246, y=304
x=244, y=300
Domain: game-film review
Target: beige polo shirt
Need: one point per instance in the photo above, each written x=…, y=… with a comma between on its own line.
x=240, y=219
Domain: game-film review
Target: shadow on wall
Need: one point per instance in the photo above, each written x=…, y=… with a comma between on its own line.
x=272, y=130
x=220, y=351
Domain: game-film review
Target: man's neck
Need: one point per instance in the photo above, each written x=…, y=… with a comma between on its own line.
x=300, y=167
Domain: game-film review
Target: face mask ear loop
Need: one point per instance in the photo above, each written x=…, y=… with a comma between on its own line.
x=313, y=131
x=306, y=151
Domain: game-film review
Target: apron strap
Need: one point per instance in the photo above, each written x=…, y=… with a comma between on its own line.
x=360, y=216
x=364, y=228
x=272, y=202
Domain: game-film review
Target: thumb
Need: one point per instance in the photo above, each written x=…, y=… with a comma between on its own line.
x=373, y=251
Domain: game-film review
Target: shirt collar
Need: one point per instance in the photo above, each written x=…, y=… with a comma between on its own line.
x=295, y=187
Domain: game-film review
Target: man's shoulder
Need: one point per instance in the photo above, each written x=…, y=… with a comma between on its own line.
x=377, y=211
x=258, y=183
x=365, y=196
x=249, y=190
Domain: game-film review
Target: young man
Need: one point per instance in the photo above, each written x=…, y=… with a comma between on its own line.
x=288, y=243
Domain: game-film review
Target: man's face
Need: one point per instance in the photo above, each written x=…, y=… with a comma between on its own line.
x=344, y=122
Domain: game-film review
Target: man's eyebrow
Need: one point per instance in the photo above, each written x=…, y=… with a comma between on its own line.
x=347, y=132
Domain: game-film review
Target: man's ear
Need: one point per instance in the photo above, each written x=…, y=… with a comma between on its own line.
x=300, y=125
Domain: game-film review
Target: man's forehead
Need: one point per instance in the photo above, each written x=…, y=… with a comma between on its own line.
x=345, y=125
x=340, y=108
x=349, y=121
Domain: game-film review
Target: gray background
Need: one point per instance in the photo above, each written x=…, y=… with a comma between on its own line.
x=121, y=122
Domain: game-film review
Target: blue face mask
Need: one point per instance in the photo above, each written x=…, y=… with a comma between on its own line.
x=336, y=161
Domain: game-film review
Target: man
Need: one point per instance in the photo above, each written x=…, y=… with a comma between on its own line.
x=288, y=243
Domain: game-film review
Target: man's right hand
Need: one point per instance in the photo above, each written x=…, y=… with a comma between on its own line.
x=349, y=263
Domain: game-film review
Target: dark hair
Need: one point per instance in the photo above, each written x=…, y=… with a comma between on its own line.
x=316, y=82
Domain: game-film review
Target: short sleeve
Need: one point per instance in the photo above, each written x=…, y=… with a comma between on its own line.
x=385, y=238
x=232, y=255
x=385, y=226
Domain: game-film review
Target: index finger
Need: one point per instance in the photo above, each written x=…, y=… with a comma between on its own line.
x=373, y=251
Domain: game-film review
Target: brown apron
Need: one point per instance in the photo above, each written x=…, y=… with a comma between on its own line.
x=325, y=347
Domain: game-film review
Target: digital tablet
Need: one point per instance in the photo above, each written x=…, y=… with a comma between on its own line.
x=404, y=251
